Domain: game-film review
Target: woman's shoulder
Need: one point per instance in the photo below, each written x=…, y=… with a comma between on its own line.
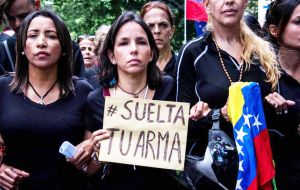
x=96, y=96
x=167, y=80
x=80, y=83
x=197, y=43
x=166, y=89
x=5, y=79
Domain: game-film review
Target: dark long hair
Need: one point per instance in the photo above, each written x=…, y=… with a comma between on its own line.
x=3, y=5
x=279, y=14
x=108, y=74
x=64, y=72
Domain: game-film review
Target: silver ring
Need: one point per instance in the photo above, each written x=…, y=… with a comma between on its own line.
x=98, y=144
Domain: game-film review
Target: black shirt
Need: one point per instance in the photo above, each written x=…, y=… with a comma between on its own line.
x=33, y=134
x=170, y=66
x=92, y=76
x=122, y=176
x=200, y=76
x=285, y=140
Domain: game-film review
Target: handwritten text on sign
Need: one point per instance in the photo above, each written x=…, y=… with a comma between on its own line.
x=145, y=132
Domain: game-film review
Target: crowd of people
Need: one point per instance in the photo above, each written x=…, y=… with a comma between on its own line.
x=53, y=89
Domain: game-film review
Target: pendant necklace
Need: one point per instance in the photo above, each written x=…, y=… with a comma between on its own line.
x=41, y=101
x=135, y=95
x=223, y=66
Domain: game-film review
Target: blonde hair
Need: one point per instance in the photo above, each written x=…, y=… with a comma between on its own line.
x=254, y=47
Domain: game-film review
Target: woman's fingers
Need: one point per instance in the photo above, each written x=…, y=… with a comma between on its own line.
x=11, y=177
x=199, y=110
x=99, y=136
x=224, y=112
x=280, y=104
x=6, y=181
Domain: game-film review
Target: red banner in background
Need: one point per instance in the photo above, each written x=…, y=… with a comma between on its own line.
x=195, y=10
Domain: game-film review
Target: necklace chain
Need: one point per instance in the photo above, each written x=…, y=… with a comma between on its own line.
x=135, y=95
x=41, y=101
x=223, y=65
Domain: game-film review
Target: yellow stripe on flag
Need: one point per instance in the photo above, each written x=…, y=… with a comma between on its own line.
x=236, y=101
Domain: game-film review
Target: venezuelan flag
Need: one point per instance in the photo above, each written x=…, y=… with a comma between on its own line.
x=256, y=168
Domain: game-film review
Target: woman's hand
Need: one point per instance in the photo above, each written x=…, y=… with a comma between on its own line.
x=199, y=110
x=99, y=136
x=280, y=104
x=95, y=142
x=224, y=112
x=83, y=155
x=10, y=177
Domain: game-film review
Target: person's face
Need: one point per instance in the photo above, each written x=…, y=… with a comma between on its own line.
x=158, y=22
x=132, y=51
x=227, y=13
x=17, y=12
x=87, y=48
x=291, y=34
x=42, y=46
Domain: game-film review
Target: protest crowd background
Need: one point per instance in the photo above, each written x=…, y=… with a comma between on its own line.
x=139, y=87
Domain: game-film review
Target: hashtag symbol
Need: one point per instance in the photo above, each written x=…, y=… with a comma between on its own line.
x=111, y=110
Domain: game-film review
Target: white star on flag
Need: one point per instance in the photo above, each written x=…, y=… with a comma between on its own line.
x=238, y=184
x=256, y=122
x=239, y=148
x=241, y=165
x=240, y=134
x=246, y=118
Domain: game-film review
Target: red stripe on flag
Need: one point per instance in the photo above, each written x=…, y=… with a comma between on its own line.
x=264, y=163
x=195, y=11
x=253, y=185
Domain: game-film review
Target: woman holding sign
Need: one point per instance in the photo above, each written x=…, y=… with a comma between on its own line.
x=228, y=52
x=128, y=70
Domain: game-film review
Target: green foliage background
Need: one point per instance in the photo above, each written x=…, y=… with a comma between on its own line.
x=85, y=16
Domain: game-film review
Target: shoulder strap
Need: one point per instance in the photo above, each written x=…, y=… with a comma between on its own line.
x=9, y=55
x=216, y=119
x=106, y=91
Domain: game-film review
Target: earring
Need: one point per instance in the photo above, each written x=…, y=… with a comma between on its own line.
x=22, y=53
x=63, y=54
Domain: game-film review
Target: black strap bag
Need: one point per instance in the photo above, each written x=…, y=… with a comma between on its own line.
x=219, y=162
